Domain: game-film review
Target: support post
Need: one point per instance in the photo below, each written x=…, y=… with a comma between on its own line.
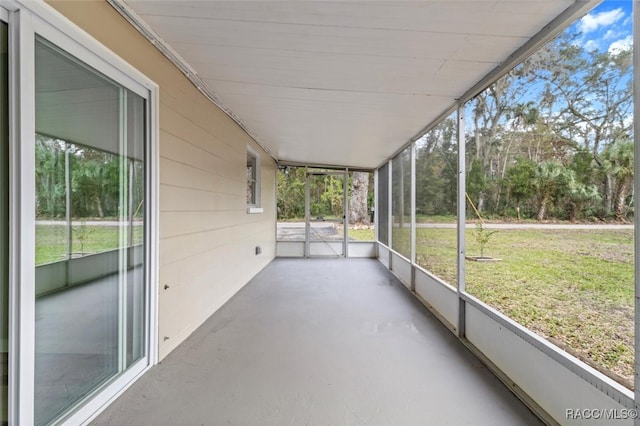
x=413, y=216
x=307, y=214
x=461, y=221
x=67, y=190
x=376, y=208
x=390, y=213
x=345, y=209
x=636, y=179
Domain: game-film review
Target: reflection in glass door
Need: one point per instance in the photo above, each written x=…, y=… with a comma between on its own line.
x=326, y=213
x=90, y=251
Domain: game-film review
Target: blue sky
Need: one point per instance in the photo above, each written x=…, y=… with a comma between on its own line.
x=607, y=27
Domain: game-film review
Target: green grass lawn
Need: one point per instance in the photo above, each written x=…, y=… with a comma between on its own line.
x=435, y=218
x=575, y=287
x=401, y=240
x=51, y=243
x=361, y=234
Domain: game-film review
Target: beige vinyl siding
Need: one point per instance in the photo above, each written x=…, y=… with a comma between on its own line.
x=207, y=239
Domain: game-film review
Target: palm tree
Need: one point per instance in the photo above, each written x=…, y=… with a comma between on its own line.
x=518, y=181
x=546, y=180
x=578, y=194
x=618, y=165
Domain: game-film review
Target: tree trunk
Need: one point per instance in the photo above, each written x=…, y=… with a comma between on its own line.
x=480, y=205
x=620, y=201
x=98, y=203
x=574, y=212
x=608, y=194
x=506, y=158
x=477, y=139
x=542, y=211
x=498, y=196
x=358, y=212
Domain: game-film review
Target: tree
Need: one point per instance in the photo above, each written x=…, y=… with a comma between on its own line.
x=331, y=191
x=518, y=181
x=50, y=177
x=477, y=183
x=546, y=182
x=326, y=193
x=358, y=201
x=587, y=96
x=563, y=105
x=618, y=165
x=579, y=193
x=291, y=192
x=95, y=179
x=500, y=115
x=437, y=170
x=488, y=108
x=522, y=117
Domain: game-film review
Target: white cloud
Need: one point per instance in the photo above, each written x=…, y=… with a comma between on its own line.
x=611, y=34
x=621, y=45
x=591, y=45
x=592, y=22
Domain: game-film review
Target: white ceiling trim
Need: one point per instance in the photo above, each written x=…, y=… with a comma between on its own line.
x=155, y=39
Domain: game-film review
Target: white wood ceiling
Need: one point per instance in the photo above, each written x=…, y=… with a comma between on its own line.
x=343, y=83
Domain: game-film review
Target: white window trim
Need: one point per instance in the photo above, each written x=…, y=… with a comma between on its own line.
x=26, y=19
x=255, y=207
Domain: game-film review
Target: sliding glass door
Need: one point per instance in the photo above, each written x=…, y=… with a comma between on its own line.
x=89, y=228
x=77, y=263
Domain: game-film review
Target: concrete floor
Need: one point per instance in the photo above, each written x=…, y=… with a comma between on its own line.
x=320, y=342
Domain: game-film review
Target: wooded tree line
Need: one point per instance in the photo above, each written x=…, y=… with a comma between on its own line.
x=95, y=181
x=552, y=139
x=326, y=195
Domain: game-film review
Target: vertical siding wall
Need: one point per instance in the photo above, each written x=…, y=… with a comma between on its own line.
x=207, y=240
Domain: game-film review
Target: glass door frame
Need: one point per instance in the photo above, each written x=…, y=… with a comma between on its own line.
x=344, y=173
x=6, y=243
x=26, y=20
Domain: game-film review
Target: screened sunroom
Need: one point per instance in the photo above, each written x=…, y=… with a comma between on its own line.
x=220, y=212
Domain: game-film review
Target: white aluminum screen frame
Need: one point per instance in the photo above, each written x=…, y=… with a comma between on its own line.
x=607, y=387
